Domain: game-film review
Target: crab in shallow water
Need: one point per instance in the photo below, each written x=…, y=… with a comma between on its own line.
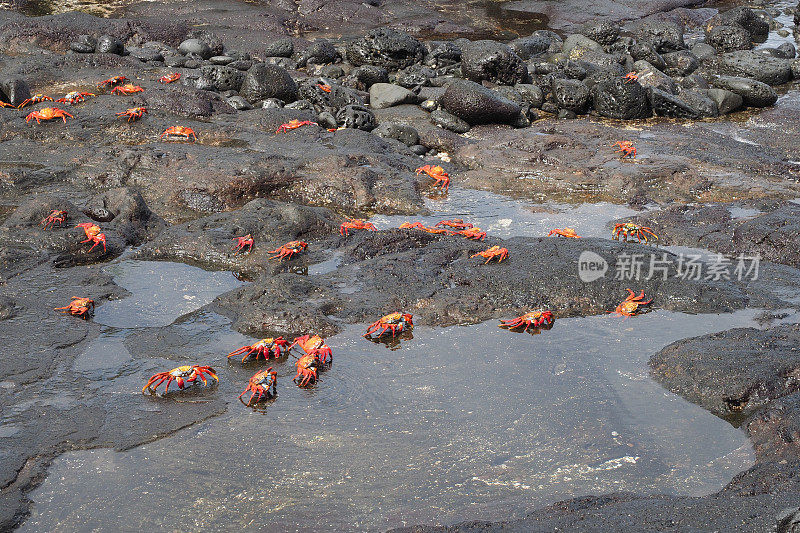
x=629, y=229
x=80, y=307
x=134, y=113
x=179, y=131
x=126, y=89
x=533, y=319
x=315, y=346
x=306, y=370
x=75, y=97
x=35, y=99
x=261, y=383
x=626, y=149
x=56, y=216
x=48, y=113
x=495, y=252
x=564, y=232
x=288, y=250
x=420, y=226
x=265, y=348
x=111, y=82
x=243, y=242
x=456, y=223
x=394, y=322
x=437, y=173
x=93, y=235
x=175, y=76
x=183, y=375
x=356, y=223
x=293, y=125
x=630, y=305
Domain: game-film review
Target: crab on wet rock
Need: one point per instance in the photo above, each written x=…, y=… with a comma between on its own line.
x=183, y=376
x=56, y=216
x=472, y=233
x=495, y=252
x=133, y=113
x=75, y=97
x=111, y=82
x=394, y=322
x=293, y=125
x=126, y=89
x=437, y=173
x=355, y=223
x=629, y=229
x=307, y=367
x=630, y=305
x=626, y=149
x=455, y=223
x=80, y=307
x=170, y=78
x=288, y=250
x=48, y=113
x=265, y=348
x=264, y=383
x=175, y=132
x=532, y=319
x=93, y=235
x=315, y=346
x=243, y=242
x=35, y=99
x=564, y=232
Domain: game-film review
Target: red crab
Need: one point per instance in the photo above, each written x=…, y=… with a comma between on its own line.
x=111, y=82
x=324, y=88
x=75, y=97
x=437, y=173
x=242, y=242
x=306, y=370
x=261, y=383
x=495, y=252
x=626, y=149
x=183, y=375
x=175, y=76
x=134, y=113
x=48, y=113
x=93, y=235
x=564, y=232
x=294, y=124
x=633, y=230
x=314, y=346
x=472, y=233
x=288, y=250
x=265, y=348
x=395, y=322
x=630, y=305
x=35, y=99
x=56, y=216
x=126, y=89
x=422, y=227
x=630, y=77
x=179, y=131
x=356, y=223
x=534, y=319
x=81, y=307
x=6, y=104
x=456, y=223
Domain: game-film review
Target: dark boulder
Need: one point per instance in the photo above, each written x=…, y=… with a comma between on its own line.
x=385, y=47
x=753, y=92
x=268, y=81
x=492, y=61
x=620, y=99
x=222, y=78
x=571, y=95
x=756, y=65
x=729, y=38
x=280, y=48
x=664, y=36
x=476, y=104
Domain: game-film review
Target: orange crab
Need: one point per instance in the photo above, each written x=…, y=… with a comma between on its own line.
x=356, y=223
x=495, y=252
x=111, y=82
x=133, y=113
x=93, y=235
x=56, y=216
x=534, y=319
x=627, y=229
x=48, y=113
x=35, y=99
x=324, y=88
x=242, y=242
x=472, y=233
x=314, y=345
x=179, y=131
x=293, y=125
x=80, y=307
x=626, y=149
x=126, y=89
x=261, y=383
x=175, y=76
x=394, y=322
x=6, y=104
x=456, y=223
x=420, y=226
x=630, y=77
x=75, y=97
x=265, y=348
x=183, y=375
x=437, y=173
x=630, y=305
x=306, y=370
x=564, y=232
x=288, y=250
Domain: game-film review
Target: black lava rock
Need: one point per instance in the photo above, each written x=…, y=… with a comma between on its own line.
x=729, y=38
x=280, y=48
x=448, y=121
x=109, y=45
x=603, y=32
x=320, y=52
x=357, y=117
x=493, y=61
x=620, y=99
x=572, y=95
x=664, y=36
x=753, y=92
x=401, y=132
x=223, y=78
x=14, y=91
x=753, y=64
x=268, y=81
x=475, y=104
x=385, y=47
x=680, y=63
x=195, y=46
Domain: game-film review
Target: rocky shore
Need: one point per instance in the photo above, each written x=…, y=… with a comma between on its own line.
x=712, y=113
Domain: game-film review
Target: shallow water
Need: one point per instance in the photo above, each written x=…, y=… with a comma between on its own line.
x=501, y=216
x=455, y=423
